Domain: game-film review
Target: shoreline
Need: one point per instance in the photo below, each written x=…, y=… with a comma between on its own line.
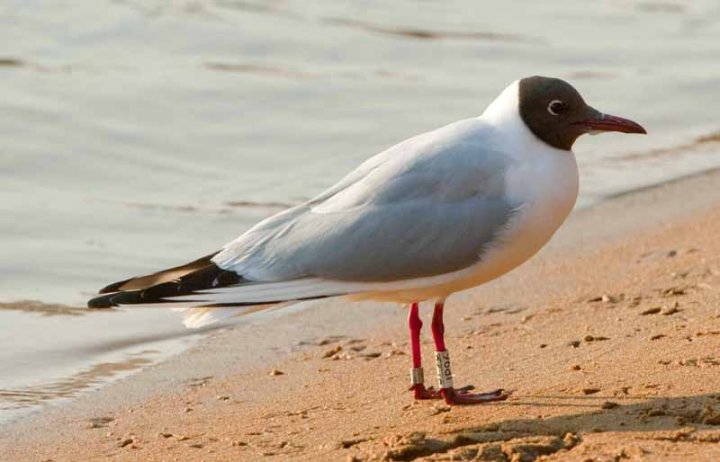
x=224, y=353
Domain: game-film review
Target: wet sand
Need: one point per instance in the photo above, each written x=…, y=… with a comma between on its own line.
x=608, y=339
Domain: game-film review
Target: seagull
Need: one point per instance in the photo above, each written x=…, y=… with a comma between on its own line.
x=438, y=213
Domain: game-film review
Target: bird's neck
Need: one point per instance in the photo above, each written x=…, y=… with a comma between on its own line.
x=503, y=114
x=505, y=109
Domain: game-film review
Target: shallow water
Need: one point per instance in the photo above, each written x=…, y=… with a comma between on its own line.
x=140, y=134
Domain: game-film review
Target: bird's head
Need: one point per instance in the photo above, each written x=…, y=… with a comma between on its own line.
x=556, y=113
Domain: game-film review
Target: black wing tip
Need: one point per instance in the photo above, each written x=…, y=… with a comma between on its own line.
x=208, y=277
x=132, y=297
x=100, y=302
x=193, y=266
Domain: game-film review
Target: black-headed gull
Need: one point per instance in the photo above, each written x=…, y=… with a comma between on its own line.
x=438, y=213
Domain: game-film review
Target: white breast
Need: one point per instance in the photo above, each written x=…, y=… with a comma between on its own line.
x=548, y=188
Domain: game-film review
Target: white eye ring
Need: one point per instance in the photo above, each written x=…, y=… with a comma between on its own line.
x=550, y=106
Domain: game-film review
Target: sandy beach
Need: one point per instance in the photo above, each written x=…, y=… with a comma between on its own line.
x=608, y=340
x=138, y=135
x=151, y=133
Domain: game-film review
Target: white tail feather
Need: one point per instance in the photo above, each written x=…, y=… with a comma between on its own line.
x=196, y=317
x=263, y=296
x=270, y=292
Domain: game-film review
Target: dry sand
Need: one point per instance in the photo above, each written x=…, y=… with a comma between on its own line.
x=609, y=341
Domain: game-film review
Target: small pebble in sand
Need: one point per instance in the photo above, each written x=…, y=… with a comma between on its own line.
x=223, y=398
x=570, y=440
x=674, y=291
x=100, y=422
x=187, y=409
x=276, y=372
x=331, y=339
x=654, y=310
x=574, y=343
x=609, y=405
x=196, y=445
x=605, y=298
x=590, y=391
x=348, y=443
x=657, y=337
x=126, y=442
x=575, y=367
x=591, y=338
x=332, y=352
x=672, y=310
x=710, y=332
x=199, y=381
x=440, y=409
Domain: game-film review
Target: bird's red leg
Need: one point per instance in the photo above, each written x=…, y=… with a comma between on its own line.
x=447, y=391
x=416, y=373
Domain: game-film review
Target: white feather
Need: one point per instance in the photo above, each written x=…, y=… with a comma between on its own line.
x=196, y=317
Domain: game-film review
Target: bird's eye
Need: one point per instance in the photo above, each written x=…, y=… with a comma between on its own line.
x=556, y=107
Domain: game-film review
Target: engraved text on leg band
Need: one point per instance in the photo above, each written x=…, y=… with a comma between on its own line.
x=442, y=360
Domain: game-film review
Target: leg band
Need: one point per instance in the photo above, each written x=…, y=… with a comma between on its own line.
x=442, y=361
x=417, y=377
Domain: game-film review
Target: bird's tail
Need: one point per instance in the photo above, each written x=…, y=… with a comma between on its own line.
x=205, y=293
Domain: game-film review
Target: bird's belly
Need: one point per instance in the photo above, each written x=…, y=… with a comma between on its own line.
x=525, y=237
x=521, y=242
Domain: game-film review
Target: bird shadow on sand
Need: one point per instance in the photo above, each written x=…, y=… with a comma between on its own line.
x=676, y=419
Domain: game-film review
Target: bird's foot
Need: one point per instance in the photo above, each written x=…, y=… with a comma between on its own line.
x=421, y=392
x=461, y=396
x=458, y=395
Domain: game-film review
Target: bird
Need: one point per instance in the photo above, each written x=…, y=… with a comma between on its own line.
x=438, y=213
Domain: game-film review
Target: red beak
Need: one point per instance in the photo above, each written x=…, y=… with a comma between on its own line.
x=608, y=123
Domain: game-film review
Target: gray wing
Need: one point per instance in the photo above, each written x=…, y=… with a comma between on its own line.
x=428, y=206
